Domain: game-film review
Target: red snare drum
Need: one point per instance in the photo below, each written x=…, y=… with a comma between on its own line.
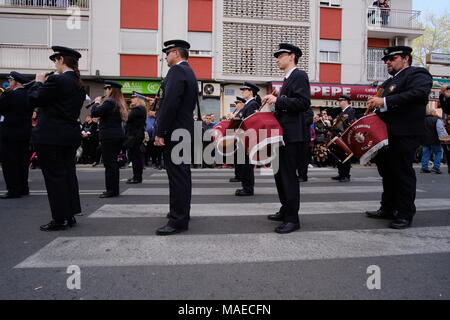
x=261, y=132
x=224, y=136
x=339, y=150
x=365, y=137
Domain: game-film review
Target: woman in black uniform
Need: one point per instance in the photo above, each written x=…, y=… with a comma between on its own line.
x=57, y=135
x=253, y=102
x=112, y=112
x=135, y=134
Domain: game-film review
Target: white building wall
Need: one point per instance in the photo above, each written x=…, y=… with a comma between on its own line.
x=105, y=28
x=354, y=42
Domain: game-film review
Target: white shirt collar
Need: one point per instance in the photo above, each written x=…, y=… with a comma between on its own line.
x=401, y=71
x=249, y=100
x=289, y=72
x=346, y=108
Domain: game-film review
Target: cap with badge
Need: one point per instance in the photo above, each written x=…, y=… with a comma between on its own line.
x=240, y=100
x=289, y=48
x=345, y=97
x=64, y=51
x=20, y=78
x=136, y=94
x=175, y=44
x=112, y=84
x=396, y=50
x=249, y=86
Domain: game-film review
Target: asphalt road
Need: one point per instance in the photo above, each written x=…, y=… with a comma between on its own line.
x=230, y=250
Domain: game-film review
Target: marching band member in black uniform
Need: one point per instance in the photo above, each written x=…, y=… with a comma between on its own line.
x=112, y=112
x=178, y=99
x=290, y=105
x=402, y=108
x=239, y=103
x=246, y=172
x=16, y=133
x=344, y=120
x=135, y=134
x=57, y=135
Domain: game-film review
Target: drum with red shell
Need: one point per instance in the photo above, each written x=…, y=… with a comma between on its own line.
x=224, y=136
x=365, y=137
x=339, y=150
x=260, y=132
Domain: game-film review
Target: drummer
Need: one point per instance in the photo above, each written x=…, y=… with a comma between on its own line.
x=343, y=121
x=249, y=92
x=239, y=104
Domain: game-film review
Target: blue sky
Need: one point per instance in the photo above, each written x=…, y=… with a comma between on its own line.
x=431, y=6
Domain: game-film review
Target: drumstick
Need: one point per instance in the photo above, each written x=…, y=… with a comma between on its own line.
x=274, y=93
x=379, y=93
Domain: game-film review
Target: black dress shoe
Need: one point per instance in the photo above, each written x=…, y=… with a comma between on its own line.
x=336, y=178
x=243, y=193
x=302, y=179
x=56, y=225
x=168, y=230
x=287, y=227
x=109, y=194
x=72, y=221
x=276, y=217
x=10, y=196
x=380, y=214
x=133, y=181
x=400, y=224
x=235, y=180
x=344, y=179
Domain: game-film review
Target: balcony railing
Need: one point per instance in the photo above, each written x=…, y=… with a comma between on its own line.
x=393, y=18
x=34, y=58
x=47, y=4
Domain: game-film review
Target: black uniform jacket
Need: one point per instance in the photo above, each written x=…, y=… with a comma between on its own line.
x=59, y=100
x=445, y=104
x=135, y=126
x=15, y=107
x=110, y=126
x=250, y=108
x=406, y=98
x=179, y=94
x=292, y=103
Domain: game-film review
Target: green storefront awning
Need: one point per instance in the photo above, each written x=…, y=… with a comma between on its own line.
x=144, y=87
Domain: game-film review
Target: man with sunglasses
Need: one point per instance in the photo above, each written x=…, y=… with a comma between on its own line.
x=179, y=96
x=402, y=108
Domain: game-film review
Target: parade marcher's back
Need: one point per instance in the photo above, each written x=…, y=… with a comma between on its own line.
x=15, y=136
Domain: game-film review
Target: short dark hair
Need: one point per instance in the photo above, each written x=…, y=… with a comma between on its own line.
x=184, y=53
x=407, y=55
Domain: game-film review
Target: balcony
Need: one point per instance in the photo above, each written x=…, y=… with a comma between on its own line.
x=376, y=71
x=386, y=23
x=45, y=4
x=31, y=59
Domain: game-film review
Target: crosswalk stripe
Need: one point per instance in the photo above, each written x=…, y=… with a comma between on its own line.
x=257, y=180
x=230, y=174
x=258, y=191
x=188, y=249
x=254, y=209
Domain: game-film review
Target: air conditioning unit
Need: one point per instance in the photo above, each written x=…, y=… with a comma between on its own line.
x=211, y=89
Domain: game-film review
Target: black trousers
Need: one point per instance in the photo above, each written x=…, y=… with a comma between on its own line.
x=305, y=156
x=136, y=156
x=15, y=166
x=180, y=189
x=395, y=166
x=246, y=174
x=287, y=181
x=344, y=169
x=110, y=150
x=58, y=167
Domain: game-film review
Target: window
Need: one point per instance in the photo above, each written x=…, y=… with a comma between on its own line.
x=331, y=3
x=32, y=31
x=330, y=50
x=138, y=41
x=201, y=43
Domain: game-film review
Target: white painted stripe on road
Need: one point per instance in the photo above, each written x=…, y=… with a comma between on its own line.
x=258, y=191
x=257, y=180
x=255, y=209
x=237, y=248
x=200, y=174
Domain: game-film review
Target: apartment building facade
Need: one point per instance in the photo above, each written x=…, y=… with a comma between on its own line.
x=232, y=41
